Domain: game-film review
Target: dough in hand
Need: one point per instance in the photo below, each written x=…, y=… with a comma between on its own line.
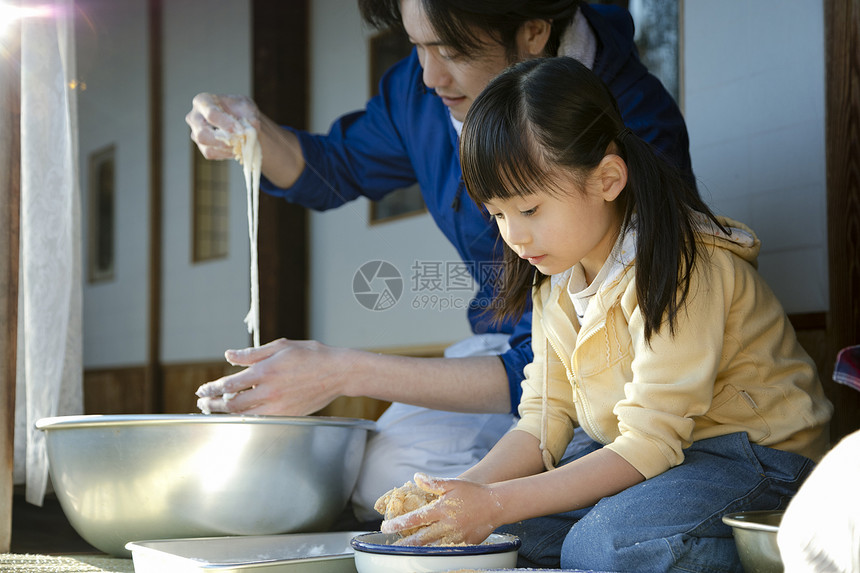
x=403, y=499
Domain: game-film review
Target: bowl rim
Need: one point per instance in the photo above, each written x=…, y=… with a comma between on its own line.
x=96, y=420
x=744, y=519
x=501, y=543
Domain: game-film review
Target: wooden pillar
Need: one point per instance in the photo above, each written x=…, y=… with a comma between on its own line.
x=153, y=374
x=10, y=187
x=281, y=89
x=842, y=36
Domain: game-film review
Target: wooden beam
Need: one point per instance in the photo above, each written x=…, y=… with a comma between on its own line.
x=10, y=194
x=842, y=37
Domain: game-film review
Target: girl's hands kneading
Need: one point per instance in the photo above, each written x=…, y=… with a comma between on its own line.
x=465, y=513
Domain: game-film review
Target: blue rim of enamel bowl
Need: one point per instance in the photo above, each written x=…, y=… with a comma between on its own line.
x=495, y=543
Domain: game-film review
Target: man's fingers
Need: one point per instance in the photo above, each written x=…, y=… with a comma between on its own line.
x=248, y=356
x=214, y=113
x=232, y=383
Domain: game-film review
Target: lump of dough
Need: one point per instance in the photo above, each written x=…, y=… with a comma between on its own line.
x=403, y=499
x=410, y=497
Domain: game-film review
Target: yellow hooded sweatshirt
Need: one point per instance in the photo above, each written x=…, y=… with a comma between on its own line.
x=733, y=365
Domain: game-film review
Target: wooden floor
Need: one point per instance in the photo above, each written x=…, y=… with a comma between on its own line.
x=44, y=530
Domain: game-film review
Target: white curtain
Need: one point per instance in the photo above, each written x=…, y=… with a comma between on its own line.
x=49, y=378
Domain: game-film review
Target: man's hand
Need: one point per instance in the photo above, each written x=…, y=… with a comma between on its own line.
x=211, y=113
x=283, y=377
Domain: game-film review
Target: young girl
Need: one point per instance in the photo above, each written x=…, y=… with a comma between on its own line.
x=651, y=330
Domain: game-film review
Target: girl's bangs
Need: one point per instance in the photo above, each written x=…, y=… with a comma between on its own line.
x=500, y=157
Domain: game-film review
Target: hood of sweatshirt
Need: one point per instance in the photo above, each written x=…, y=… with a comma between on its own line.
x=740, y=239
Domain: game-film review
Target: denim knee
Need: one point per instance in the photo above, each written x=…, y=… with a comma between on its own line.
x=673, y=521
x=595, y=544
x=542, y=538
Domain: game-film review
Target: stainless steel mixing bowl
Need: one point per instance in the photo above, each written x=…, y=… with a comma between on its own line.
x=137, y=477
x=755, y=537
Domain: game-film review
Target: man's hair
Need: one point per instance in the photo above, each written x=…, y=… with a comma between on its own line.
x=460, y=23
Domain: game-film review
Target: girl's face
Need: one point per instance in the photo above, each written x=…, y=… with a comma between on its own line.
x=455, y=78
x=556, y=231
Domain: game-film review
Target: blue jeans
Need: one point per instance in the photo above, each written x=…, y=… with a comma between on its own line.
x=671, y=522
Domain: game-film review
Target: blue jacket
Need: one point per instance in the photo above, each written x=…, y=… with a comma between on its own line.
x=404, y=135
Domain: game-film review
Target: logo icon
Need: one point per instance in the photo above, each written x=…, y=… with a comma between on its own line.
x=377, y=285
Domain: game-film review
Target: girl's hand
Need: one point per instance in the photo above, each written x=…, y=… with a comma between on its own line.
x=466, y=512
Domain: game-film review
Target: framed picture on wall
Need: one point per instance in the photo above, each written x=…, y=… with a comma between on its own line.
x=210, y=213
x=386, y=49
x=101, y=226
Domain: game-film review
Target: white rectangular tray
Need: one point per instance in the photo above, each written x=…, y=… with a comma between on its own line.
x=287, y=553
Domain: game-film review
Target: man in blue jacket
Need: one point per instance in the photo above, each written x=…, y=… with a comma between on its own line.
x=408, y=134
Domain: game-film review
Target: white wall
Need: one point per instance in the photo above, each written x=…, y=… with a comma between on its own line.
x=755, y=111
x=341, y=239
x=203, y=304
x=113, y=109
x=206, y=48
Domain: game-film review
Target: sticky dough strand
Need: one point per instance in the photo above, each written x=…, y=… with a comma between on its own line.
x=247, y=150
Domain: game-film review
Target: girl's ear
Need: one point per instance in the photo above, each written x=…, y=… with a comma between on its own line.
x=611, y=174
x=533, y=36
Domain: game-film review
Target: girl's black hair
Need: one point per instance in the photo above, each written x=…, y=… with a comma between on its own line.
x=460, y=22
x=554, y=112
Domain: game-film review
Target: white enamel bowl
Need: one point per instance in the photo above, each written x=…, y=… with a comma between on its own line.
x=376, y=553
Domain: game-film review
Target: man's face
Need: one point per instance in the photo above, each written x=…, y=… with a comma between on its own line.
x=455, y=78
